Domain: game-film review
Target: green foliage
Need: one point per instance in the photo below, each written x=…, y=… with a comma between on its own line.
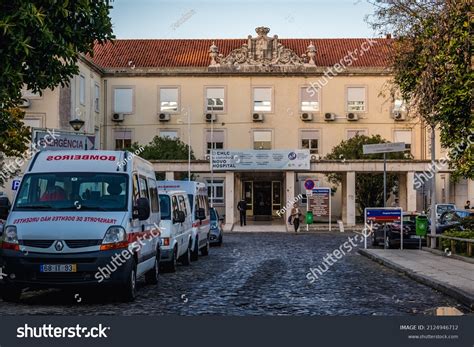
x=460, y=247
x=369, y=186
x=432, y=66
x=40, y=44
x=163, y=148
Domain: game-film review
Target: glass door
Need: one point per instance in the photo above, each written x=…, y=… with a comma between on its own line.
x=276, y=197
x=248, y=196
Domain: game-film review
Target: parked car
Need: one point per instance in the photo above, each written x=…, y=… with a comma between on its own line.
x=88, y=220
x=391, y=236
x=216, y=228
x=201, y=219
x=454, y=219
x=176, y=229
x=442, y=208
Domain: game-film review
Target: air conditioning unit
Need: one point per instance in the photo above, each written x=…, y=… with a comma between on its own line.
x=163, y=117
x=315, y=157
x=398, y=115
x=352, y=116
x=117, y=117
x=25, y=103
x=306, y=117
x=210, y=117
x=329, y=117
x=257, y=117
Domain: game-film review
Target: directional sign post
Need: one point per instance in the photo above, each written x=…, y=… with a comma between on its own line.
x=384, y=215
x=384, y=148
x=320, y=203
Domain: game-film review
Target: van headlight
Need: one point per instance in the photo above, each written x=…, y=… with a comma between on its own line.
x=10, y=238
x=114, y=238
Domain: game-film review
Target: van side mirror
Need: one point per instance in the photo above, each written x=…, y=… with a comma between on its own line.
x=179, y=217
x=142, y=209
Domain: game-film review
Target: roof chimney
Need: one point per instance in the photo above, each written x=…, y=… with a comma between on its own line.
x=388, y=36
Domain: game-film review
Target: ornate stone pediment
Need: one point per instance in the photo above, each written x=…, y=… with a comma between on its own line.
x=261, y=53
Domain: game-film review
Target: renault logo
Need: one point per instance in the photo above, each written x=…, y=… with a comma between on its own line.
x=59, y=245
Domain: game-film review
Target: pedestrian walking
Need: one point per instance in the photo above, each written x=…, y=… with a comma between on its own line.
x=242, y=207
x=295, y=216
x=468, y=205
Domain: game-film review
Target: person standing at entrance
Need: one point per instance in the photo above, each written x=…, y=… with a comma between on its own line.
x=468, y=205
x=242, y=207
x=295, y=215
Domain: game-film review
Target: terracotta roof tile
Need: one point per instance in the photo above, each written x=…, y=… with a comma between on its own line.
x=194, y=53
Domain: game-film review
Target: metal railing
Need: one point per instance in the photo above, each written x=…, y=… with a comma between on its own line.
x=453, y=240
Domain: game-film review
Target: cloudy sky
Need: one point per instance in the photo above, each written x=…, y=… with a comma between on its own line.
x=237, y=19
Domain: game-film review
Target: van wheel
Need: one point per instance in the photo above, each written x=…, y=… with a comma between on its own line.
x=205, y=249
x=172, y=264
x=186, y=257
x=195, y=251
x=129, y=289
x=151, y=277
x=11, y=294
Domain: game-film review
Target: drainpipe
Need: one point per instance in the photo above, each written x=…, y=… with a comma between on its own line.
x=433, y=186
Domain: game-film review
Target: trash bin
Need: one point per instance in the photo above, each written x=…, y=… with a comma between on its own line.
x=421, y=225
x=309, y=217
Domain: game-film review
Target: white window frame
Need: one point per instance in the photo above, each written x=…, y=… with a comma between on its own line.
x=82, y=89
x=364, y=130
x=262, y=130
x=178, y=101
x=317, y=91
x=224, y=109
x=301, y=137
x=124, y=130
x=272, y=96
x=96, y=97
x=165, y=130
x=366, y=106
x=208, y=131
x=407, y=149
x=132, y=88
x=218, y=182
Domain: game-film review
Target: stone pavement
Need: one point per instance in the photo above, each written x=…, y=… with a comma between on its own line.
x=450, y=276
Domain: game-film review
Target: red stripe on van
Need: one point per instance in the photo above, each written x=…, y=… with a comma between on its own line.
x=204, y=222
x=132, y=237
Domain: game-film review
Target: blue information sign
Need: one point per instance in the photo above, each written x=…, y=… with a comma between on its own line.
x=15, y=184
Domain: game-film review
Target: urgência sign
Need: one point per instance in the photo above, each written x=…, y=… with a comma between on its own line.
x=65, y=141
x=228, y=160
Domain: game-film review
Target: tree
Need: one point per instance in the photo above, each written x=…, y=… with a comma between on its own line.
x=164, y=148
x=40, y=44
x=432, y=67
x=369, y=186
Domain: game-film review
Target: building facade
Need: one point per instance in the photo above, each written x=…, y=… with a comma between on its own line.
x=260, y=93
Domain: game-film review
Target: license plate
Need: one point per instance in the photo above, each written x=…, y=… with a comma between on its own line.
x=58, y=268
x=414, y=237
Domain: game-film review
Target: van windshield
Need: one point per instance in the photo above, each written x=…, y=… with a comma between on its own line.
x=165, y=207
x=73, y=191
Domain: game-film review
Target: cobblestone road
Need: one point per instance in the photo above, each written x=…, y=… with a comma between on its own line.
x=258, y=274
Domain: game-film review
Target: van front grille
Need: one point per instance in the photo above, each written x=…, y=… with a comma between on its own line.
x=37, y=243
x=82, y=243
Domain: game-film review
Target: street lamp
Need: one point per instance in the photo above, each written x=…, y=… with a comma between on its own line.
x=77, y=124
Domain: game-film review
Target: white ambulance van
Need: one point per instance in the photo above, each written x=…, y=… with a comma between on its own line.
x=201, y=219
x=82, y=218
x=176, y=229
